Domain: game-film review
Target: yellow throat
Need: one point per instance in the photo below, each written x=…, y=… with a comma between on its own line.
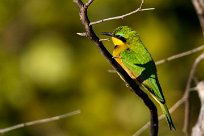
x=119, y=47
x=117, y=41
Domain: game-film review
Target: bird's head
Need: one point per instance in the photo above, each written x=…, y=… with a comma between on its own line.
x=122, y=35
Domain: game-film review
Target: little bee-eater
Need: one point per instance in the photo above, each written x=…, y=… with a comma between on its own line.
x=131, y=54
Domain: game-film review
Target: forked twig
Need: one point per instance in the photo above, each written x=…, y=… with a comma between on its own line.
x=89, y=33
x=180, y=101
x=186, y=94
x=123, y=16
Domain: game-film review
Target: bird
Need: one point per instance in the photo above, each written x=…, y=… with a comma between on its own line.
x=130, y=52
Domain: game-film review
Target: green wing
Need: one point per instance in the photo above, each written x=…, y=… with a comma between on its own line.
x=138, y=60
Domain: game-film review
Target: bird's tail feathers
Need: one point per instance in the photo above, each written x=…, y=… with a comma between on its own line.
x=168, y=116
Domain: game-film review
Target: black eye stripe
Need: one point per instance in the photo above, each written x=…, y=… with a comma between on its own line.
x=121, y=38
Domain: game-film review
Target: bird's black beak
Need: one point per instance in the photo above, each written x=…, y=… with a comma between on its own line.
x=107, y=33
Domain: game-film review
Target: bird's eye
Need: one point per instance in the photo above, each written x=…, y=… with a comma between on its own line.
x=121, y=38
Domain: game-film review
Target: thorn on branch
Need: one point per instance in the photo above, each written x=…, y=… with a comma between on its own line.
x=107, y=39
x=84, y=34
x=112, y=71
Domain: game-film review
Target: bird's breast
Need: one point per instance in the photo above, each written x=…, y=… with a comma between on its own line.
x=116, y=54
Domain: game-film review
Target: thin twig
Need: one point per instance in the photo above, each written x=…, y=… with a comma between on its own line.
x=42, y=121
x=199, y=7
x=107, y=39
x=88, y=3
x=123, y=16
x=161, y=117
x=186, y=94
x=131, y=83
x=198, y=128
x=183, y=54
x=180, y=101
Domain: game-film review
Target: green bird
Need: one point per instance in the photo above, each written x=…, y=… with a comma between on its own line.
x=131, y=54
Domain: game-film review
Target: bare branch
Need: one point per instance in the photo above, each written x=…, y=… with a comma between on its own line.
x=131, y=83
x=42, y=121
x=186, y=95
x=183, y=99
x=161, y=117
x=88, y=3
x=199, y=7
x=142, y=129
x=79, y=2
x=183, y=54
x=198, y=129
x=180, y=101
x=123, y=16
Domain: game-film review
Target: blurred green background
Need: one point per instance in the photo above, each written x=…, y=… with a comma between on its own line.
x=48, y=70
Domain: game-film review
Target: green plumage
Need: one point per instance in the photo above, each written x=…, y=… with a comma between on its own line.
x=132, y=55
